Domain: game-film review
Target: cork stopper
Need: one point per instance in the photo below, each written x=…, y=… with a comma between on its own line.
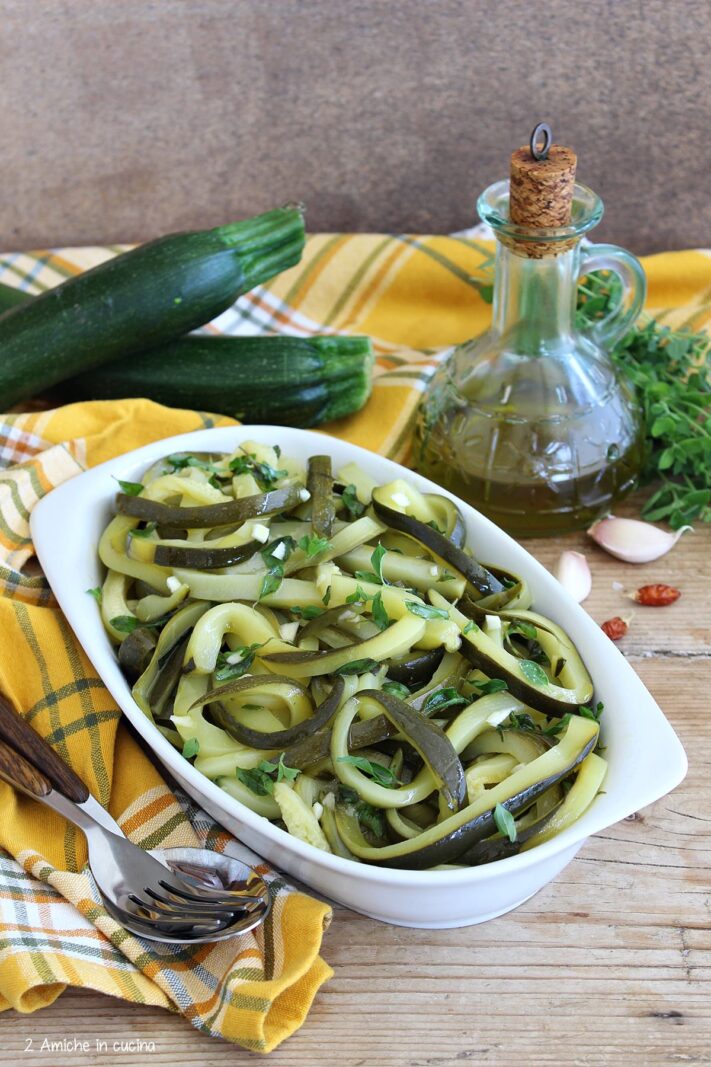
x=541, y=192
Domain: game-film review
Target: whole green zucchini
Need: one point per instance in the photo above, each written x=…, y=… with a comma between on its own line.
x=10, y=297
x=293, y=381
x=141, y=299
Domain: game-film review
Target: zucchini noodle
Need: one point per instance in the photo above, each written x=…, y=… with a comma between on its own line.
x=345, y=667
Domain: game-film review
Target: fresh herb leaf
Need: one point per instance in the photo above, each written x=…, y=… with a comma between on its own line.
x=380, y=615
x=351, y=502
x=326, y=598
x=283, y=773
x=376, y=575
x=396, y=689
x=267, y=553
x=96, y=593
x=268, y=475
x=144, y=531
x=592, y=713
x=535, y=674
x=367, y=576
x=425, y=611
x=559, y=725
x=225, y=670
x=275, y=564
x=376, y=561
x=381, y=775
x=179, y=463
x=357, y=666
x=347, y=795
x=191, y=747
x=264, y=473
x=261, y=779
x=271, y=582
x=470, y=628
x=313, y=545
x=371, y=817
x=277, y=451
x=308, y=612
x=492, y=685
x=358, y=597
x=521, y=721
x=259, y=782
x=438, y=529
x=131, y=488
x=443, y=698
x=125, y=624
x=447, y=576
x=505, y=822
x=526, y=629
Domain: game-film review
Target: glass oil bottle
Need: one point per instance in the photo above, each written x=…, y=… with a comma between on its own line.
x=531, y=422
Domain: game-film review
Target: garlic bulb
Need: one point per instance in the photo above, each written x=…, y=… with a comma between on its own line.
x=632, y=540
x=573, y=573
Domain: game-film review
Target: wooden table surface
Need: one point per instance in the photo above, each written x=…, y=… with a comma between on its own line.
x=609, y=964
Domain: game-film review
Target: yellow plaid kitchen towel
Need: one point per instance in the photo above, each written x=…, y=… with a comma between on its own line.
x=415, y=296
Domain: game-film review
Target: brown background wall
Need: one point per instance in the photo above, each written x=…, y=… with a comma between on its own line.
x=121, y=119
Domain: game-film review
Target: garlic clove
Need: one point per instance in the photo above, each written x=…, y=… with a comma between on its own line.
x=632, y=540
x=573, y=573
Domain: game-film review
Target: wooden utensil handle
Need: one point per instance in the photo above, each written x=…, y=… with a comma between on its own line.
x=18, y=733
x=15, y=769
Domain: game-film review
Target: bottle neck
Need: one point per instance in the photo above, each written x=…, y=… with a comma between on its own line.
x=535, y=300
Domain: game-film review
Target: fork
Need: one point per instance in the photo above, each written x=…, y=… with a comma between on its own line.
x=124, y=873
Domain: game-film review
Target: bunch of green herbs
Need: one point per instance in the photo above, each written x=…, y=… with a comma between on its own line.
x=671, y=371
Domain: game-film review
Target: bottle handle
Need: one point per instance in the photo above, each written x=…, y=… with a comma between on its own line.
x=608, y=331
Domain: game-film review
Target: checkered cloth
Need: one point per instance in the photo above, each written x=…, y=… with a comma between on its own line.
x=414, y=296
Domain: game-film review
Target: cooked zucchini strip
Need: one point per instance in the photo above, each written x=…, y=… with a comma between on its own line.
x=227, y=588
x=398, y=638
x=244, y=622
x=320, y=484
x=525, y=678
x=447, y=840
x=209, y=515
x=135, y=652
x=482, y=581
x=276, y=739
x=412, y=572
x=112, y=553
x=428, y=740
x=205, y=557
x=335, y=658
x=114, y=604
x=587, y=784
x=154, y=606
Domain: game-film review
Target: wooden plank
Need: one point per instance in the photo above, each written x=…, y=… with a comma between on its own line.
x=609, y=964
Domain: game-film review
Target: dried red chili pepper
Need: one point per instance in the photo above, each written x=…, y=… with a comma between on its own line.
x=656, y=595
x=614, y=628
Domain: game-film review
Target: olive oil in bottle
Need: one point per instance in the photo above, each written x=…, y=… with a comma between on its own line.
x=531, y=422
